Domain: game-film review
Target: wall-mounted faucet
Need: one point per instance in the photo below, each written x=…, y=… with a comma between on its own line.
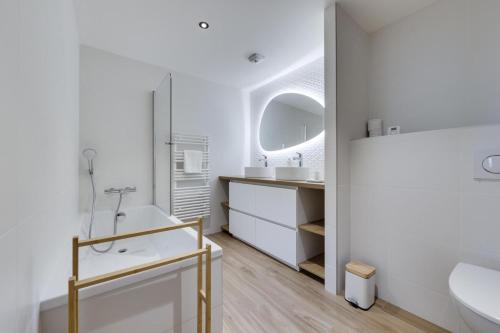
x=120, y=216
x=299, y=158
x=123, y=190
x=265, y=160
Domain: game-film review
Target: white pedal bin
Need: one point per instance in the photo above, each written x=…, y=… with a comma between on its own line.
x=360, y=284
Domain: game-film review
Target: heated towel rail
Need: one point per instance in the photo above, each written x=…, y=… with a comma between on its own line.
x=190, y=192
x=203, y=296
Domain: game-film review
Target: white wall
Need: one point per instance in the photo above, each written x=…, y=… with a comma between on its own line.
x=38, y=145
x=116, y=118
x=308, y=80
x=205, y=108
x=416, y=212
x=352, y=115
x=434, y=69
x=330, y=151
x=438, y=68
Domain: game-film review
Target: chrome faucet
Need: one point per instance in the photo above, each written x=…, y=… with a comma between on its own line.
x=265, y=160
x=299, y=158
x=120, y=216
x=123, y=190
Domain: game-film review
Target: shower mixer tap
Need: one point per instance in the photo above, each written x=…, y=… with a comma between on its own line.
x=123, y=190
x=129, y=189
x=120, y=216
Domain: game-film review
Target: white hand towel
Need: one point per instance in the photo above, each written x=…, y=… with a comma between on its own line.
x=193, y=160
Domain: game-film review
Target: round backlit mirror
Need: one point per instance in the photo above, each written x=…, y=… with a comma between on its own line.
x=289, y=120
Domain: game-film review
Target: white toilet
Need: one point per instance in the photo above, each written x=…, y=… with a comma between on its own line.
x=476, y=292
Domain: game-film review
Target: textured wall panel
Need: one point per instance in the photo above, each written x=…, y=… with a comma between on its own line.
x=308, y=80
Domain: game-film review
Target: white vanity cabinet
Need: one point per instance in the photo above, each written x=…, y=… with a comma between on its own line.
x=242, y=226
x=276, y=204
x=278, y=241
x=267, y=217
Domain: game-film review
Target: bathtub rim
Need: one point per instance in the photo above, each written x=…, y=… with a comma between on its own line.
x=55, y=294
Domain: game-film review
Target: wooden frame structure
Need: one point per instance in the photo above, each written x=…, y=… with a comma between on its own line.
x=203, y=296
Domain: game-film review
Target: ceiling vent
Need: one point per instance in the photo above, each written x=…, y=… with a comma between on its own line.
x=256, y=58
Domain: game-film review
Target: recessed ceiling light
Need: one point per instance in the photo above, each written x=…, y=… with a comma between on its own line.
x=204, y=25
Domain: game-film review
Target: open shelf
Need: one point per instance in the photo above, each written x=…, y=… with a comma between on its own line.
x=315, y=266
x=225, y=227
x=317, y=227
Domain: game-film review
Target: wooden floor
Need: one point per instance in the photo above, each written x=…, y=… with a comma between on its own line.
x=263, y=295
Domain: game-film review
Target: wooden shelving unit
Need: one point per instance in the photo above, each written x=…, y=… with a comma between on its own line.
x=313, y=231
x=225, y=228
x=301, y=184
x=315, y=266
x=317, y=227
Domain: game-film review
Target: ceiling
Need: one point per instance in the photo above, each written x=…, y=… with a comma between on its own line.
x=166, y=32
x=373, y=15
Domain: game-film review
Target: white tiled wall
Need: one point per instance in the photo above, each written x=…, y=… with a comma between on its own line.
x=38, y=149
x=416, y=212
x=308, y=80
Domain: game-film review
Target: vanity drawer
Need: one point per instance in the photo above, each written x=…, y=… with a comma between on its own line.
x=276, y=240
x=242, y=226
x=276, y=204
x=242, y=197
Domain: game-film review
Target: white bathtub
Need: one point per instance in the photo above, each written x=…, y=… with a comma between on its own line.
x=161, y=300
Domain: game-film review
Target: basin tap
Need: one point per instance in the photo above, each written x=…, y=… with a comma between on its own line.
x=299, y=158
x=265, y=160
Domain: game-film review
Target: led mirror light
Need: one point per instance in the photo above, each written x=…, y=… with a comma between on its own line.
x=290, y=119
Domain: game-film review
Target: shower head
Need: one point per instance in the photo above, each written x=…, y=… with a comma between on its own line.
x=90, y=154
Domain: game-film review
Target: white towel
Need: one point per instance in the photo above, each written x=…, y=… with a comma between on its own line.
x=193, y=160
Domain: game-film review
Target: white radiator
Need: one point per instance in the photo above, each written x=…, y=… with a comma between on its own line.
x=190, y=192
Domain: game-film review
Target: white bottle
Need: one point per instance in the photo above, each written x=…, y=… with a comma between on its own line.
x=375, y=127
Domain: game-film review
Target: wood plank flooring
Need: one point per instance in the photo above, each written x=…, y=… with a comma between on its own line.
x=262, y=295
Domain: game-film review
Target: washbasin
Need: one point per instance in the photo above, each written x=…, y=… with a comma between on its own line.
x=259, y=172
x=292, y=173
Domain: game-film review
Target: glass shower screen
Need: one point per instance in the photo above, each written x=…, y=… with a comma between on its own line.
x=162, y=129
